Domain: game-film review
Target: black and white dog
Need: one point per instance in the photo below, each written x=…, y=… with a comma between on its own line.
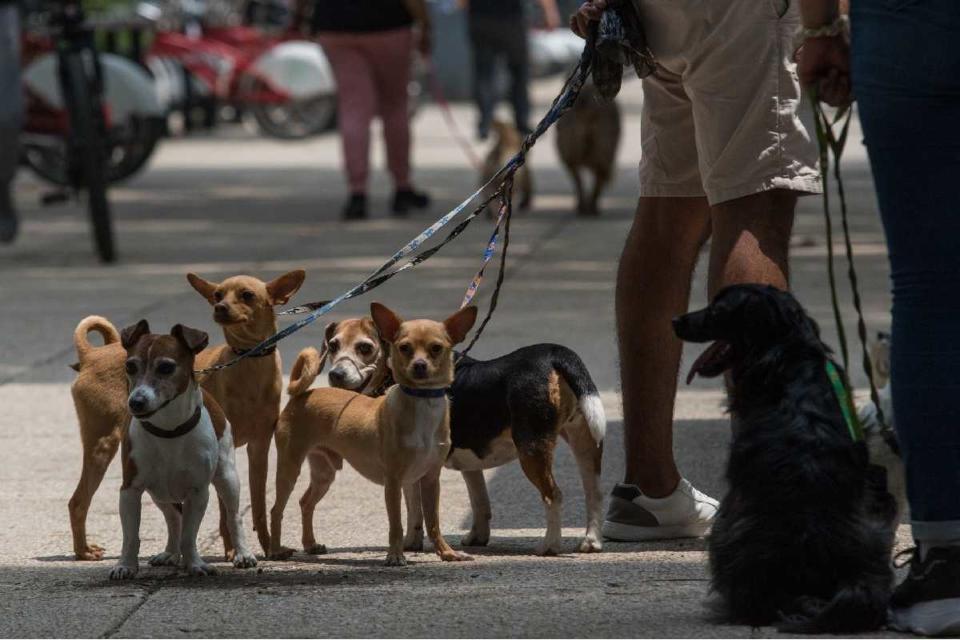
x=803, y=536
x=508, y=408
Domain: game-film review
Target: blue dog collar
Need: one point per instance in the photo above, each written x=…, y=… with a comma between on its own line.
x=424, y=393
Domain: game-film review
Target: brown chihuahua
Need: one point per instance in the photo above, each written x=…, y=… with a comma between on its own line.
x=399, y=440
x=248, y=392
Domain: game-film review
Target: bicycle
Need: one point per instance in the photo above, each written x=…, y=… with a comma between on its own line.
x=81, y=81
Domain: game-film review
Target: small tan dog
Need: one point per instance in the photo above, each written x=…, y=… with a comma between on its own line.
x=587, y=140
x=399, y=440
x=505, y=146
x=248, y=392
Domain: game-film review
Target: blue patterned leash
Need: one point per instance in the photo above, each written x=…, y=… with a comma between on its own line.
x=503, y=177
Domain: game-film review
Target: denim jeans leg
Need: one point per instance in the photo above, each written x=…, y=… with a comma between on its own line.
x=905, y=63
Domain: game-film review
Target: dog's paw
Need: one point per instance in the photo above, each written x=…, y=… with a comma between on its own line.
x=244, y=560
x=92, y=552
x=283, y=553
x=413, y=541
x=315, y=549
x=590, y=545
x=476, y=538
x=123, y=572
x=546, y=548
x=229, y=554
x=200, y=569
x=455, y=556
x=396, y=560
x=165, y=559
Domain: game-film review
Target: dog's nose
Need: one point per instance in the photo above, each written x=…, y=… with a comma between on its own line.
x=337, y=376
x=137, y=404
x=220, y=308
x=420, y=368
x=676, y=321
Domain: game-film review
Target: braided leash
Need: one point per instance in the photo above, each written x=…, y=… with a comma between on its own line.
x=829, y=142
x=503, y=178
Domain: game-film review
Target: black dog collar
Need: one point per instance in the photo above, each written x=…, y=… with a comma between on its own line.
x=266, y=352
x=182, y=430
x=424, y=393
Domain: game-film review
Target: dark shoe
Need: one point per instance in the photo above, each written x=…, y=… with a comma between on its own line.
x=927, y=602
x=8, y=219
x=356, y=207
x=406, y=199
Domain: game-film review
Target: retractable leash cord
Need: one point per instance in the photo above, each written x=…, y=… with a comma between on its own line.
x=829, y=142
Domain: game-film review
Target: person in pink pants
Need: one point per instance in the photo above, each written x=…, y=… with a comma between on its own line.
x=370, y=46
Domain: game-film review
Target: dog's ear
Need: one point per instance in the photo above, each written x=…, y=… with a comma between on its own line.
x=459, y=324
x=132, y=334
x=329, y=332
x=193, y=339
x=387, y=322
x=203, y=287
x=282, y=288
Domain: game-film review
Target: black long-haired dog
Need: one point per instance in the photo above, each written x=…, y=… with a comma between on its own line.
x=803, y=537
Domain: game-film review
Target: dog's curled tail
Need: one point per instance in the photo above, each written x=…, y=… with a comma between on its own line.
x=99, y=324
x=858, y=607
x=305, y=370
x=575, y=374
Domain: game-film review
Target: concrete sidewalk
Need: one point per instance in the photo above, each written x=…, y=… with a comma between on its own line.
x=239, y=203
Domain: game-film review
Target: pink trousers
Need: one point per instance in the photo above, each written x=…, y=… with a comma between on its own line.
x=372, y=72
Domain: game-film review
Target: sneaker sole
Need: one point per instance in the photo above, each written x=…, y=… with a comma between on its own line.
x=934, y=618
x=620, y=532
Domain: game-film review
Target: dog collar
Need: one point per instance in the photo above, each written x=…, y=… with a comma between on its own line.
x=182, y=430
x=845, y=401
x=266, y=352
x=424, y=393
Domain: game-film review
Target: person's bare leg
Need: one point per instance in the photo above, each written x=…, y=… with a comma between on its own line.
x=751, y=240
x=653, y=286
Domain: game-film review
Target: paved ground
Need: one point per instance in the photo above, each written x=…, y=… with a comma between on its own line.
x=239, y=203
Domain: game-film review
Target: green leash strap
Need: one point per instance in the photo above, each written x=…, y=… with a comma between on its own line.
x=842, y=391
x=829, y=142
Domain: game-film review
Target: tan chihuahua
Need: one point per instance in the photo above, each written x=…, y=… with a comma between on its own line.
x=399, y=440
x=248, y=392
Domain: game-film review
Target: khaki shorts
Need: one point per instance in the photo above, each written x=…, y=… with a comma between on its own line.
x=720, y=117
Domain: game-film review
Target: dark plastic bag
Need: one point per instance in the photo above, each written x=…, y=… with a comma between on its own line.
x=620, y=41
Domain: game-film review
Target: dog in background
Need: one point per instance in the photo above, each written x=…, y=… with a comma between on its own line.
x=803, y=536
x=399, y=440
x=248, y=392
x=587, y=139
x=506, y=144
x=501, y=409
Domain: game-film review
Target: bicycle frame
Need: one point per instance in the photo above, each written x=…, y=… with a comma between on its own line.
x=225, y=67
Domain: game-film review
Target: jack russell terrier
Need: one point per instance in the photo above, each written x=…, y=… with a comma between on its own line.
x=399, y=440
x=510, y=407
x=249, y=392
x=177, y=444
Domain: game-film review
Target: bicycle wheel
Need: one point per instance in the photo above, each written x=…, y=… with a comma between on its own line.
x=87, y=127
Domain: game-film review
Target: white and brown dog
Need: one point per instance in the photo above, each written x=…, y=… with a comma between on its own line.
x=502, y=409
x=400, y=440
x=177, y=444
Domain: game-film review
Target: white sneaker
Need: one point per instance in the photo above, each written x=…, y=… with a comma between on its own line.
x=632, y=516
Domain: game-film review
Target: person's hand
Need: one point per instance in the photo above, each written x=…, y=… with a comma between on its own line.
x=589, y=11
x=824, y=63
